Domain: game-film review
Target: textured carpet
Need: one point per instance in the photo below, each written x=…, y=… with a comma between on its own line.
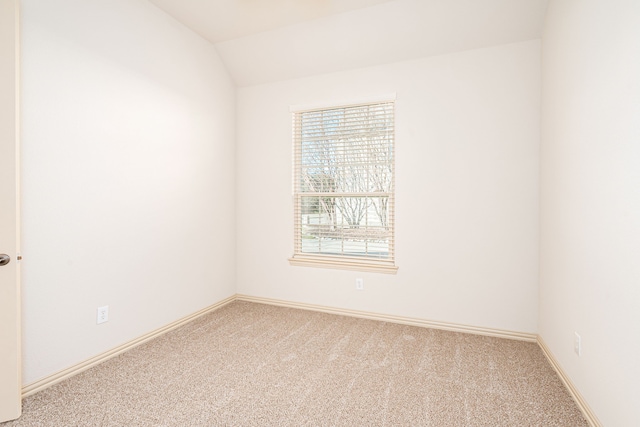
x=250, y=364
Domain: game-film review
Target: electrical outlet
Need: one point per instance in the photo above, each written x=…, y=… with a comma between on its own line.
x=103, y=314
x=577, y=344
x=359, y=284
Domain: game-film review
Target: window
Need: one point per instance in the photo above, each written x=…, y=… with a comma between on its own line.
x=344, y=187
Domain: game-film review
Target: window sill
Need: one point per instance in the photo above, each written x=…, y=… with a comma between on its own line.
x=344, y=264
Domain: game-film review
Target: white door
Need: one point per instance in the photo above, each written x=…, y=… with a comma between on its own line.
x=10, y=375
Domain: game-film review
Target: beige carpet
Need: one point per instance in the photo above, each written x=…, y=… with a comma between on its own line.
x=250, y=364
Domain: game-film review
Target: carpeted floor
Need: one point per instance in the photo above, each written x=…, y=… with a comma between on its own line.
x=251, y=364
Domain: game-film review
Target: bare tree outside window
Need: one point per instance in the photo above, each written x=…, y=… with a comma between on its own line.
x=343, y=188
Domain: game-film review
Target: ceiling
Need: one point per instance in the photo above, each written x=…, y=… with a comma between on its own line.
x=220, y=20
x=262, y=41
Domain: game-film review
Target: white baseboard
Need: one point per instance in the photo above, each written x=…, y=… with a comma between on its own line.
x=50, y=380
x=577, y=397
x=522, y=336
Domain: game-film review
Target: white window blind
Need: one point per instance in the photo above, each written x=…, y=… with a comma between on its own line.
x=344, y=186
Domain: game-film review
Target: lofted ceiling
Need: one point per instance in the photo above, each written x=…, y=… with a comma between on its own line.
x=262, y=41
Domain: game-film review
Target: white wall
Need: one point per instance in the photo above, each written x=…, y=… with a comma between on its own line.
x=590, y=200
x=128, y=176
x=467, y=132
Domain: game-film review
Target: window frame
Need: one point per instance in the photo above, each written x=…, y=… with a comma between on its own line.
x=343, y=261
